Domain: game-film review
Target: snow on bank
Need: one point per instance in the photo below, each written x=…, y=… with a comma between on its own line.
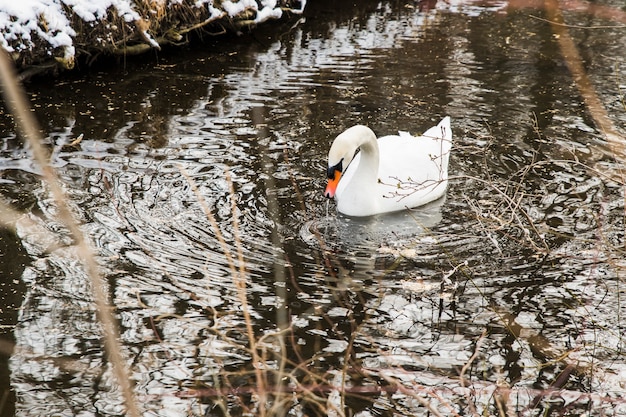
x=21, y=21
x=50, y=27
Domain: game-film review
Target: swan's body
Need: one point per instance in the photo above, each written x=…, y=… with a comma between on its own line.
x=389, y=174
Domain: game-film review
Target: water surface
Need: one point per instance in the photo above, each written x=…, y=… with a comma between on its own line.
x=508, y=287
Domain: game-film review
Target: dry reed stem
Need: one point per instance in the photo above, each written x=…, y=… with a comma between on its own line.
x=239, y=277
x=282, y=319
x=574, y=62
x=27, y=127
x=241, y=283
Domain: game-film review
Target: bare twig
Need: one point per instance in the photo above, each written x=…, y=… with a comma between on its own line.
x=515, y=211
x=462, y=379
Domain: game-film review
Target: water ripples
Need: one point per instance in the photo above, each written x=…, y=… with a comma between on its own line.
x=410, y=292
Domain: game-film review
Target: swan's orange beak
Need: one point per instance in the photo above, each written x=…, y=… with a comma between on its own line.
x=331, y=187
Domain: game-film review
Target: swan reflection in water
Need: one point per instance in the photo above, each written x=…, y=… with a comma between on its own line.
x=352, y=234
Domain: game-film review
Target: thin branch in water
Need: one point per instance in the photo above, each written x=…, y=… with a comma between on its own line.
x=462, y=379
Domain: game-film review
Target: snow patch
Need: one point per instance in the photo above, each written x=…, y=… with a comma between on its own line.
x=23, y=23
x=19, y=20
x=93, y=10
x=267, y=13
x=234, y=9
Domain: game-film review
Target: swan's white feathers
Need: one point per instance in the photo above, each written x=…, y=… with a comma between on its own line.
x=411, y=171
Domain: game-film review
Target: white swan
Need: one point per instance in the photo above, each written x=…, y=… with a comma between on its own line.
x=389, y=174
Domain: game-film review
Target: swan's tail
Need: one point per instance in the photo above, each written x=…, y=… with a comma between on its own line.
x=442, y=134
x=441, y=131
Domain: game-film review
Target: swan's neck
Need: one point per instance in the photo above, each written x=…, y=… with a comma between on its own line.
x=367, y=171
x=360, y=192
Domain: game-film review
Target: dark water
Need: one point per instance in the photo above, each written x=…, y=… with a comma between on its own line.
x=522, y=263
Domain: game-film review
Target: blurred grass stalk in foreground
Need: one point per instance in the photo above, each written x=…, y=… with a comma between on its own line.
x=28, y=129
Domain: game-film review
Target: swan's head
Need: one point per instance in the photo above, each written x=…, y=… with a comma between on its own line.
x=342, y=152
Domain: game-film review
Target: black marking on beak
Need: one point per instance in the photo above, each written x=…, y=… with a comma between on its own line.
x=332, y=170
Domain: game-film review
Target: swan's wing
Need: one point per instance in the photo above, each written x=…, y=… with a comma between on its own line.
x=410, y=158
x=441, y=131
x=414, y=170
